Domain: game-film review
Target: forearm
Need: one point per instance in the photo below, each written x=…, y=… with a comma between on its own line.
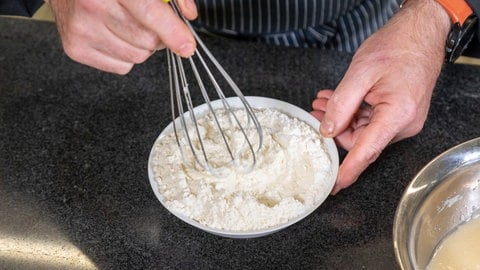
x=20, y=7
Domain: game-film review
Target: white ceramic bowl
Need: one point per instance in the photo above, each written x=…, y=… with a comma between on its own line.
x=255, y=102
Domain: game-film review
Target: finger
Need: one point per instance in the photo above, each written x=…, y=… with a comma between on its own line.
x=125, y=26
x=94, y=49
x=318, y=115
x=346, y=100
x=362, y=117
x=368, y=146
x=116, y=47
x=327, y=93
x=161, y=19
x=101, y=39
x=188, y=9
x=129, y=29
x=101, y=61
x=320, y=104
x=346, y=139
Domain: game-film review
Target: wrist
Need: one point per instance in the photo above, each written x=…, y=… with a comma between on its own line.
x=432, y=11
x=426, y=24
x=463, y=23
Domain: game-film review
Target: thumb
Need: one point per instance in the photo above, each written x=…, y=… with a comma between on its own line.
x=345, y=100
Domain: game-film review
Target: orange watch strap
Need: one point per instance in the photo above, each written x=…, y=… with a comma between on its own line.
x=458, y=10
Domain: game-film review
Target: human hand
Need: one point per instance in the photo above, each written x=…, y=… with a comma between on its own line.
x=113, y=35
x=385, y=94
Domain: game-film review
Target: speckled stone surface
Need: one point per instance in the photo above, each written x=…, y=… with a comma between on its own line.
x=74, y=144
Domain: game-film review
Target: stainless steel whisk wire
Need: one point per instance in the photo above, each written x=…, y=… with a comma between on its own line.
x=179, y=84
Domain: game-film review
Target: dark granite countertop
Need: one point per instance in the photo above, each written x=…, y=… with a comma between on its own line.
x=74, y=144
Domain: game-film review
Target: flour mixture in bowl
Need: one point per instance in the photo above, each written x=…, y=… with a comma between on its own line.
x=294, y=173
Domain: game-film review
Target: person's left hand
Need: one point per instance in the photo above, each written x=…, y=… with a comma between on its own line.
x=385, y=94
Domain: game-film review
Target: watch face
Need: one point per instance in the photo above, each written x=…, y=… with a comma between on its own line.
x=459, y=38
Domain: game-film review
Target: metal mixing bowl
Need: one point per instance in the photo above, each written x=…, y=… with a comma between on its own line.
x=442, y=196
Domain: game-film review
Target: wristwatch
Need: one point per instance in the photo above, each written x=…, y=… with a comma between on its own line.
x=464, y=26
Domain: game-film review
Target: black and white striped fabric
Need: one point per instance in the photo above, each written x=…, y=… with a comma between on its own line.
x=333, y=24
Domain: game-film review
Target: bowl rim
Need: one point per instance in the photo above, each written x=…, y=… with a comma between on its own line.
x=419, y=187
x=255, y=102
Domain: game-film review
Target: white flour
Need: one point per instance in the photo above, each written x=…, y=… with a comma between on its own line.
x=287, y=181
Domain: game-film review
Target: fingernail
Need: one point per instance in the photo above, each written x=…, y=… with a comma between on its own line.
x=186, y=50
x=327, y=127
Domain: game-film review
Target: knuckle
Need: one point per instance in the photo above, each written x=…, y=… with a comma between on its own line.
x=72, y=40
x=119, y=68
x=151, y=41
x=146, y=7
x=372, y=153
x=411, y=118
x=415, y=128
x=88, y=5
x=73, y=50
x=140, y=57
x=409, y=112
x=123, y=70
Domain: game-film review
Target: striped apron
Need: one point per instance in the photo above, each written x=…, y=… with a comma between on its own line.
x=332, y=24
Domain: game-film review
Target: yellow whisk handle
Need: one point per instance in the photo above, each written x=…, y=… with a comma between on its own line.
x=166, y=1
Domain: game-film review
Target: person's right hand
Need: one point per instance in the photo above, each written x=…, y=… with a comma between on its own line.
x=113, y=35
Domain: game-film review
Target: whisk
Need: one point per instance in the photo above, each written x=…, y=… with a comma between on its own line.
x=189, y=136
